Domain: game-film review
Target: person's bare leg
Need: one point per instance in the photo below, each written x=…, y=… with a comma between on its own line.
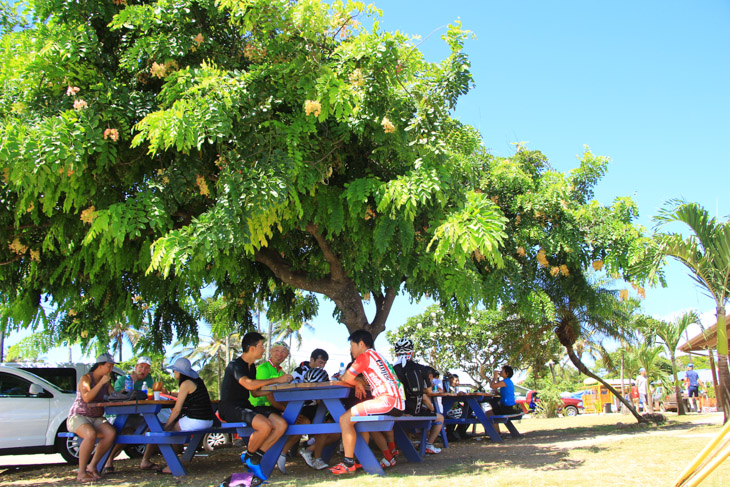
x=349, y=435
x=108, y=433
x=147, y=463
x=87, y=433
x=320, y=441
x=436, y=428
x=380, y=440
x=278, y=428
x=262, y=427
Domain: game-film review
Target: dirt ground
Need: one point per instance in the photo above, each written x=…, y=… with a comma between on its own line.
x=550, y=452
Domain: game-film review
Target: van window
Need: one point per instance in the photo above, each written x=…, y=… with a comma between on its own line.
x=62, y=377
x=13, y=386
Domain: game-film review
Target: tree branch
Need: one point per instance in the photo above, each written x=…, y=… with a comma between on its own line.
x=282, y=270
x=336, y=270
x=382, y=309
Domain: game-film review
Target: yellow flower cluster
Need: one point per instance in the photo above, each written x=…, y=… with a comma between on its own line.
x=200, y=181
x=521, y=251
x=88, y=215
x=388, y=126
x=623, y=294
x=35, y=255
x=17, y=247
x=554, y=271
x=253, y=53
x=111, y=134
x=357, y=79
x=541, y=259
x=598, y=265
x=199, y=39
x=564, y=270
x=80, y=105
x=312, y=107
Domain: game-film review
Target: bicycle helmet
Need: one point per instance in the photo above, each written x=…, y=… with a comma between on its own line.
x=316, y=374
x=403, y=346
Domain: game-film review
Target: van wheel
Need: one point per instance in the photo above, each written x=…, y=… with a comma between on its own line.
x=214, y=441
x=135, y=451
x=68, y=447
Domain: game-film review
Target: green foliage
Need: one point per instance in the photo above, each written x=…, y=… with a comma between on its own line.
x=550, y=402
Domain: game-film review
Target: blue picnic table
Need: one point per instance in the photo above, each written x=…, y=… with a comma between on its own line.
x=152, y=432
x=472, y=404
x=331, y=396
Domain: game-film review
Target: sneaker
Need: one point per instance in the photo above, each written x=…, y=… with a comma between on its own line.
x=385, y=463
x=394, y=452
x=307, y=456
x=430, y=448
x=281, y=464
x=319, y=464
x=341, y=468
x=255, y=469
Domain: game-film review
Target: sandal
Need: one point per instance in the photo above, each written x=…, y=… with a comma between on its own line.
x=107, y=470
x=152, y=466
x=161, y=471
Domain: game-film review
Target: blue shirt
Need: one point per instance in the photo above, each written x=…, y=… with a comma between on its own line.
x=693, y=377
x=507, y=393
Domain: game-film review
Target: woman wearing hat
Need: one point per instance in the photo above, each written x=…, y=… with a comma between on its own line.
x=192, y=410
x=88, y=422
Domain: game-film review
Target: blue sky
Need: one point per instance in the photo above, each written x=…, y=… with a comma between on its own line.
x=645, y=83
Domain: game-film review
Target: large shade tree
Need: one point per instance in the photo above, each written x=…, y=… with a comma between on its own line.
x=706, y=254
x=259, y=146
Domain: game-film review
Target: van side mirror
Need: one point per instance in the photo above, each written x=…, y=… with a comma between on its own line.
x=35, y=390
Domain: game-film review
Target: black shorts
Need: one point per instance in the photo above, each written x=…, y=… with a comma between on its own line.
x=237, y=414
x=266, y=410
x=309, y=412
x=502, y=410
x=694, y=391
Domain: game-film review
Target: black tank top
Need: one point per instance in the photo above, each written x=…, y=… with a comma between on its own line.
x=197, y=405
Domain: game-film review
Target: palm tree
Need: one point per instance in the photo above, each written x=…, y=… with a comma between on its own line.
x=212, y=349
x=706, y=254
x=671, y=334
x=121, y=331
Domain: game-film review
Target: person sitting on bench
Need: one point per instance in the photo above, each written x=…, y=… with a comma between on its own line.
x=192, y=410
x=387, y=394
x=505, y=405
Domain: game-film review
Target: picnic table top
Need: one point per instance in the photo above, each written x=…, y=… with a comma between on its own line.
x=305, y=385
x=141, y=402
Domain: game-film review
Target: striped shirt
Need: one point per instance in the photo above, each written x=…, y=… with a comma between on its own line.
x=380, y=375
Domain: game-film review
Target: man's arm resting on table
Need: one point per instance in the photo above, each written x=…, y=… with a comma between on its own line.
x=353, y=380
x=256, y=384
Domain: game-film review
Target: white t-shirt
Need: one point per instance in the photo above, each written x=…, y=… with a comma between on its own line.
x=641, y=384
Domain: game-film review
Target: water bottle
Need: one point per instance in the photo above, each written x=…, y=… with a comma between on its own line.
x=144, y=389
x=342, y=369
x=128, y=383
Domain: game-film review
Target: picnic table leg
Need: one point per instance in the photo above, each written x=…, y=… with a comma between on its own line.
x=168, y=452
x=488, y=426
x=290, y=414
x=512, y=429
x=404, y=443
x=368, y=461
x=192, y=447
x=447, y=403
x=119, y=422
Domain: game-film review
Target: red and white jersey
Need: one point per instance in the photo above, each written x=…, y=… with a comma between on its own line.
x=380, y=375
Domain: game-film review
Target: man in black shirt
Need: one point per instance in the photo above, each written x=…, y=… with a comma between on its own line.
x=318, y=359
x=238, y=381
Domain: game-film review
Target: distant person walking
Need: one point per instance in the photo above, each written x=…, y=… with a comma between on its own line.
x=693, y=383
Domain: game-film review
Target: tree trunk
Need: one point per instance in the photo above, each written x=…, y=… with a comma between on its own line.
x=623, y=387
x=723, y=395
x=219, y=376
x=677, y=392
x=2, y=345
x=583, y=369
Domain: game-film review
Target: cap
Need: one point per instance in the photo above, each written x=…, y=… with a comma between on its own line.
x=280, y=344
x=690, y=365
x=144, y=360
x=642, y=369
x=105, y=358
x=183, y=366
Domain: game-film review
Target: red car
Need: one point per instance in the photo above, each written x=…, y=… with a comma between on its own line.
x=571, y=405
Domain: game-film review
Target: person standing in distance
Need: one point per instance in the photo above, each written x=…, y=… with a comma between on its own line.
x=693, y=384
x=642, y=384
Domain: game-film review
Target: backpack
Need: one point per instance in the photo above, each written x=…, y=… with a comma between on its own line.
x=411, y=376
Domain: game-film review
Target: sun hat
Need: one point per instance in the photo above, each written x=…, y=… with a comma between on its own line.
x=183, y=366
x=105, y=358
x=144, y=360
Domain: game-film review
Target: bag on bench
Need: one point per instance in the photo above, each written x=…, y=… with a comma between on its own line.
x=245, y=479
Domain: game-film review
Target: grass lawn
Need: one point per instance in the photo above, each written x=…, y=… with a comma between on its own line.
x=600, y=450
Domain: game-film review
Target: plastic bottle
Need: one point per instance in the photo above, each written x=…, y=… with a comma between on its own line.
x=128, y=383
x=342, y=369
x=144, y=388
